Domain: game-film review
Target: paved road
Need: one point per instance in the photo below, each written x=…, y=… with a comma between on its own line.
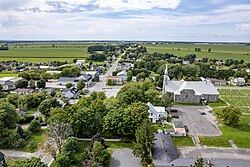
x=199, y=125
x=99, y=85
x=234, y=87
x=124, y=158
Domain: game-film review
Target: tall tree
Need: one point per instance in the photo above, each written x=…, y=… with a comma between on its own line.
x=80, y=85
x=59, y=131
x=32, y=84
x=231, y=115
x=199, y=162
x=41, y=83
x=22, y=83
x=144, y=143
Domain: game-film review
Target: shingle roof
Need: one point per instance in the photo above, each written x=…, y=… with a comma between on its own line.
x=199, y=87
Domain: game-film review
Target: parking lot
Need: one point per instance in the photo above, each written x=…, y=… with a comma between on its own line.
x=198, y=125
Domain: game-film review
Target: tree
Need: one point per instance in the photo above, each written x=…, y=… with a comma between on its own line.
x=32, y=84
x=209, y=50
x=41, y=83
x=80, y=85
x=8, y=116
x=123, y=122
x=53, y=93
x=63, y=160
x=47, y=105
x=144, y=143
x=70, y=145
x=129, y=75
x=152, y=95
x=22, y=83
x=231, y=115
x=71, y=72
x=1, y=87
x=199, y=162
x=59, y=131
x=27, y=163
x=99, y=155
x=68, y=85
x=20, y=130
x=141, y=76
x=166, y=100
x=34, y=126
x=13, y=99
x=110, y=82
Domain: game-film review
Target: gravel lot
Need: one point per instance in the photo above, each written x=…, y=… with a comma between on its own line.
x=124, y=158
x=199, y=125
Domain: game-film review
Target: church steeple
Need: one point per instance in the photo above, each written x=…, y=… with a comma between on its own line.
x=166, y=79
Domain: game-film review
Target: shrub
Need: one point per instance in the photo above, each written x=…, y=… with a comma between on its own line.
x=34, y=126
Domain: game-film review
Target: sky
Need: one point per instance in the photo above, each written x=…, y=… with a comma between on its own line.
x=166, y=20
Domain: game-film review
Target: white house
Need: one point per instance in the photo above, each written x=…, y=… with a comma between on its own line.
x=9, y=82
x=80, y=63
x=156, y=113
x=71, y=93
x=238, y=81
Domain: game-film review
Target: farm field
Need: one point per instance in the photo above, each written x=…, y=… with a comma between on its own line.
x=8, y=75
x=45, y=52
x=241, y=134
x=218, y=51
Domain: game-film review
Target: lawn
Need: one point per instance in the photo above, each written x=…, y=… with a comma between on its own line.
x=219, y=51
x=183, y=141
x=219, y=103
x=215, y=141
x=120, y=144
x=8, y=75
x=35, y=141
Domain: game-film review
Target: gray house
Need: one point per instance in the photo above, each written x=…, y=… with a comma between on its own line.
x=86, y=78
x=9, y=82
x=71, y=93
x=190, y=91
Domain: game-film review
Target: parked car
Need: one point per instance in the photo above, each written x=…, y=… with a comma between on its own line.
x=43, y=124
x=186, y=128
x=173, y=110
x=175, y=116
x=203, y=113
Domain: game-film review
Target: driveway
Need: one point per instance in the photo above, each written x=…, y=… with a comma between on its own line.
x=124, y=158
x=199, y=125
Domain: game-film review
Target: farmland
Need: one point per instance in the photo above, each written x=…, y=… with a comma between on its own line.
x=44, y=52
x=219, y=51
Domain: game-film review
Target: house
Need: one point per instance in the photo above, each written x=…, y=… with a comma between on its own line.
x=164, y=150
x=80, y=63
x=218, y=81
x=238, y=81
x=22, y=91
x=156, y=113
x=122, y=74
x=2, y=160
x=190, y=91
x=86, y=78
x=9, y=82
x=93, y=74
x=116, y=79
x=71, y=93
x=179, y=128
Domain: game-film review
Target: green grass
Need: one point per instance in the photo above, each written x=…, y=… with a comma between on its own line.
x=34, y=53
x=215, y=141
x=8, y=75
x=218, y=103
x=119, y=144
x=38, y=138
x=218, y=51
x=186, y=104
x=183, y=141
x=31, y=111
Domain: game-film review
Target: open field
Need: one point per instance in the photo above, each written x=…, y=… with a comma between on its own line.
x=183, y=141
x=8, y=75
x=218, y=51
x=44, y=52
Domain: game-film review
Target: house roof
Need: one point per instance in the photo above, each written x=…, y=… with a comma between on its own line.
x=122, y=73
x=16, y=79
x=114, y=77
x=199, y=87
x=178, y=124
x=164, y=149
x=6, y=78
x=73, y=90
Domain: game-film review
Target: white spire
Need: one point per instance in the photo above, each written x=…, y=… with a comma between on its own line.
x=165, y=80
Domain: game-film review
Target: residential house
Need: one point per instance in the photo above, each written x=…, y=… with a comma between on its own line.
x=190, y=91
x=71, y=93
x=80, y=63
x=218, y=81
x=9, y=82
x=86, y=78
x=116, y=79
x=179, y=128
x=22, y=91
x=156, y=113
x=238, y=81
x=122, y=74
x=93, y=74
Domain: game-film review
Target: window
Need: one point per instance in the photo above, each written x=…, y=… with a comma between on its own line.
x=186, y=95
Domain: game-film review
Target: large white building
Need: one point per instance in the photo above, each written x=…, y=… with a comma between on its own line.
x=9, y=82
x=190, y=91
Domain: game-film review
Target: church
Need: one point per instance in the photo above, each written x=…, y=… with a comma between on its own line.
x=190, y=91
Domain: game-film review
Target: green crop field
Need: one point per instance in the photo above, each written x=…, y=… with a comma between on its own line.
x=219, y=51
x=44, y=52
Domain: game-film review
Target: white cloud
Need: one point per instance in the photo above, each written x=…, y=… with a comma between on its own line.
x=243, y=26
x=234, y=8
